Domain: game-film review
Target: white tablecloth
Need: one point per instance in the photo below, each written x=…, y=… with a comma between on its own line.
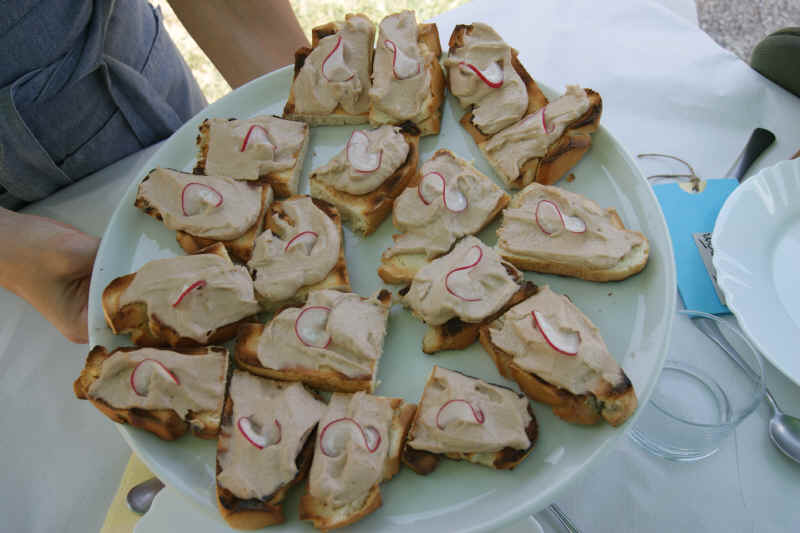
x=666, y=87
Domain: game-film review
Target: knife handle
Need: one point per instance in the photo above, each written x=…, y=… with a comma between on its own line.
x=759, y=141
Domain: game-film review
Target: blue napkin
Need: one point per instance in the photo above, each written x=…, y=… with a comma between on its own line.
x=687, y=214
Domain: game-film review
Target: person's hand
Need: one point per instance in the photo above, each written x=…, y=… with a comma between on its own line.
x=49, y=264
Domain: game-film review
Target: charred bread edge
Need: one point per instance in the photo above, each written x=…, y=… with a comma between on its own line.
x=380, y=200
x=246, y=356
x=616, y=405
x=255, y=513
x=164, y=423
x=148, y=330
x=424, y=462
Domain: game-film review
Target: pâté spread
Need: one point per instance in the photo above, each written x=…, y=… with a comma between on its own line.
x=470, y=283
x=547, y=223
x=367, y=160
x=251, y=148
x=193, y=294
x=453, y=199
x=213, y=207
x=332, y=331
x=353, y=440
x=548, y=336
x=260, y=443
x=150, y=378
x=462, y=414
x=337, y=71
x=530, y=138
x=401, y=83
x=480, y=74
x=301, y=252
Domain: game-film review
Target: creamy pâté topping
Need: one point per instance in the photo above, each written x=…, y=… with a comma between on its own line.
x=302, y=252
x=193, y=294
x=337, y=72
x=251, y=472
x=213, y=207
x=460, y=207
x=401, y=83
x=383, y=149
x=528, y=138
x=494, y=107
x=353, y=441
x=251, y=148
x=333, y=331
x=533, y=343
x=463, y=414
x=198, y=384
x=470, y=283
x=548, y=223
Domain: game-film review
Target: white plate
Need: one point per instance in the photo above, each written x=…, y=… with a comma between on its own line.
x=756, y=253
x=635, y=317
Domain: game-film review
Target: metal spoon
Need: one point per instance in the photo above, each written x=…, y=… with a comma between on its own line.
x=141, y=496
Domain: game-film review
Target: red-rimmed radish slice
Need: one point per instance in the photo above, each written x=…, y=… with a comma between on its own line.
x=257, y=135
x=199, y=284
x=334, y=435
x=491, y=75
x=305, y=240
x=309, y=326
x=333, y=66
x=544, y=122
x=460, y=276
x=196, y=196
x=258, y=437
x=548, y=217
x=143, y=373
x=359, y=157
x=402, y=66
x=458, y=409
x=433, y=184
x=566, y=342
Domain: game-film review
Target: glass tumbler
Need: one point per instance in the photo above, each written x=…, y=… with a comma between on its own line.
x=713, y=379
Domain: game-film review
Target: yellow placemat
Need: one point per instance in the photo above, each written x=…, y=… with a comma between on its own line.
x=120, y=519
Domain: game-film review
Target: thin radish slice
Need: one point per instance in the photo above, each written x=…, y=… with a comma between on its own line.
x=548, y=217
x=199, y=284
x=458, y=409
x=334, y=435
x=431, y=185
x=254, y=434
x=454, y=200
x=565, y=342
x=491, y=75
x=357, y=155
x=574, y=224
x=460, y=276
x=257, y=135
x=544, y=123
x=334, y=67
x=196, y=196
x=402, y=66
x=309, y=326
x=143, y=373
x=304, y=240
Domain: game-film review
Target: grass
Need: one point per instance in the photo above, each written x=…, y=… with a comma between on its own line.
x=310, y=13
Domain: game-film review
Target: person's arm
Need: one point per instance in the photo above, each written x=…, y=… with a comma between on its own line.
x=243, y=38
x=49, y=264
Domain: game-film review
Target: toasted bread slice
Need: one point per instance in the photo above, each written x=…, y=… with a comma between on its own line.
x=256, y=513
x=336, y=279
x=401, y=268
x=165, y=423
x=633, y=262
x=323, y=378
x=325, y=516
x=240, y=247
x=613, y=402
x=147, y=329
x=338, y=116
x=563, y=154
x=429, y=118
x=365, y=212
x=424, y=462
x=283, y=182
